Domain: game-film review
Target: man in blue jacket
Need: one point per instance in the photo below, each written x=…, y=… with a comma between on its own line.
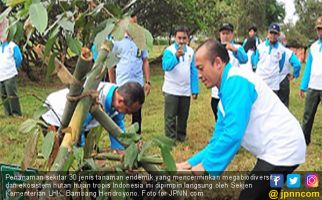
x=10, y=61
x=312, y=83
x=249, y=115
x=116, y=102
x=180, y=83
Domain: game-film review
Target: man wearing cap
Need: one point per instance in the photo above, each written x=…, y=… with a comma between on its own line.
x=270, y=58
x=236, y=53
x=285, y=75
x=312, y=82
x=10, y=60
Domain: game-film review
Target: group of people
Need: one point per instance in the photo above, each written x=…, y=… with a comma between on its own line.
x=250, y=96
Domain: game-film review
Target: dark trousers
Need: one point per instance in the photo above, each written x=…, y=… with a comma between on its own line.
x=9, y=96
x=313, y=98
x=176, y=112
x=260, y=188
x=137, y=117
x=214, y=106
x=284, y=92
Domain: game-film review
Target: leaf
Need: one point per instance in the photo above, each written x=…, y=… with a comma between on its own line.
x=47, y=145
x=67, y=24
x=144, y=148
x=90, y=162
x=130, y=156
x=164, y=141
x=130, y=137
x=49, y=45
x=5, y=13
x=78, y=154
x=19, y=36
x=39, y=112
x=120, y=28
x=168, y=159
x=137, y=33
x=100, y=37
x=51, y=66
x=96, y=10
x=134, y=128
x=90, y=141
x=28, y=125
x=113, y=58
x=115, y=10
x=12, y=31
x=13, y=3
x=74, y=44
x=39, y=17
x=30, y=150
x=149, y=40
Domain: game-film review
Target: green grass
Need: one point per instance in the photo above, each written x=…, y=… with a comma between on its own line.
x=200, y=124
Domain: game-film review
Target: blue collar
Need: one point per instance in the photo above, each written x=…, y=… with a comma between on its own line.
x=5, y=43
x=176, y=46
x=224, y=77
x=109, y=99
x=271, y=45
x=319, y=41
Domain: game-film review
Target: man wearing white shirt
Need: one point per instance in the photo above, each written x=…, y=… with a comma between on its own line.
x=237, y=56
x=116, y=102
x=250, y=115
x=270, y=58
x=10, y=61
x=312, y=82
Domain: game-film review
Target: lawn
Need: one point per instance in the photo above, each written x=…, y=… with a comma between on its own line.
x=200, y=124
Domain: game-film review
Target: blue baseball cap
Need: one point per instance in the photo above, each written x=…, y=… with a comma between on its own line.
x=274, y=28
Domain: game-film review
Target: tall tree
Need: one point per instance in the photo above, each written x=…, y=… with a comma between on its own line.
x=260, y=13
x=308, y=11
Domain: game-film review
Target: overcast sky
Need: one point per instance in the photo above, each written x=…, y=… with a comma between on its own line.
x=290, y=10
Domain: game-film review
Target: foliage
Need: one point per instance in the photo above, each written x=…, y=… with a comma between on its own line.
x=63, y=27
x=308, y=11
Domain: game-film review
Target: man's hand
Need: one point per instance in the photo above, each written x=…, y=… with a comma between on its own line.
x=147, y=88
x=183, y=166
x=290, y=77
x=198, y=170
x=194, y=96
x=302, y=94
x=179, y=52
x=231, y=47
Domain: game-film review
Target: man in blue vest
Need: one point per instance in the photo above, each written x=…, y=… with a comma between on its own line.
x=116, y=102
x=180, y=83
x=312, y=82
x=270, y=58
x=249, y=115
x=10, y=61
